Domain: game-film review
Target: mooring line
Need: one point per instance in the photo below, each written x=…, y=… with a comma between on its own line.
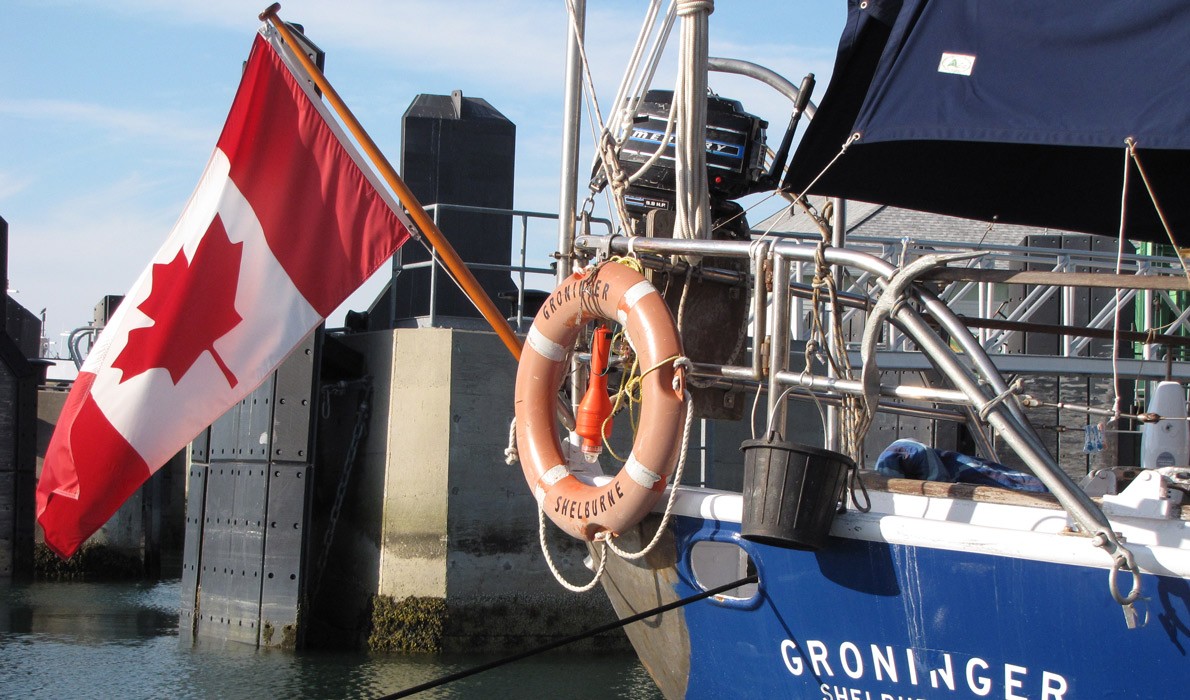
x=568, y=640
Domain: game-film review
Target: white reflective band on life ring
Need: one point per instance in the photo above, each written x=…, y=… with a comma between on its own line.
x=640, y=473
x=555, y=474
x=544, y=346
x=638, y=291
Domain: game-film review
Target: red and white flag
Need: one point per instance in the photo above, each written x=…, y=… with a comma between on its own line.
x=286, y=222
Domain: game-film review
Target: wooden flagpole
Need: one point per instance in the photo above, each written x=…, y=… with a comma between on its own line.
x=450, y=258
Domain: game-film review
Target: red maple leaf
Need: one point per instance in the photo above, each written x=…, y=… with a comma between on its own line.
x=192, y=305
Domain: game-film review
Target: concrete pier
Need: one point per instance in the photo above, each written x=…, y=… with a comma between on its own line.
x=434, y=512
x=19, y=338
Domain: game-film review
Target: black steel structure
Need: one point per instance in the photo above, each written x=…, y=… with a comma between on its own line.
x=455, y=150
x=18, y=437
x=244, y=573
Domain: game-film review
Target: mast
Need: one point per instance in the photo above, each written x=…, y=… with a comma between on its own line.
x=838, y=240
x=572, y=107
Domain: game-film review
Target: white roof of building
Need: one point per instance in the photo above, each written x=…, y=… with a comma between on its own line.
x=882, y=221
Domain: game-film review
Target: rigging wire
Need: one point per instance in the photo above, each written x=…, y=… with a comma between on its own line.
x=603, y=133
x=653, y=612
x=1178, y=250
x=595, y=114
x=1115, y=344
x=621, y=114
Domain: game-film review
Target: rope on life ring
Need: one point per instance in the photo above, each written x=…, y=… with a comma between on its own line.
x=617, y=293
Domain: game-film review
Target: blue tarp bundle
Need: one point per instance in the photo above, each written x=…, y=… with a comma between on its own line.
x=909, y=459
x=1010, y=110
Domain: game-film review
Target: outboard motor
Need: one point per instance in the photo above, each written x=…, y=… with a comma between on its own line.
x=735, y=153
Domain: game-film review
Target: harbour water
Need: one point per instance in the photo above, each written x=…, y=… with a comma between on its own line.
x=121, y=640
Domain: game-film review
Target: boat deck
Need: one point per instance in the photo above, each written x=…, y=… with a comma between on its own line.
x=979, y=494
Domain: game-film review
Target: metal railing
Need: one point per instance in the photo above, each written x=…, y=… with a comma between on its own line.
x=544, y=238
x=992, y=300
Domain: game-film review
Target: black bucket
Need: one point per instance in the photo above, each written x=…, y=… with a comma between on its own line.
x=791, y=492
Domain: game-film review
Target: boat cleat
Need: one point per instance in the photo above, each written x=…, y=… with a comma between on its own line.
x=1150, y=494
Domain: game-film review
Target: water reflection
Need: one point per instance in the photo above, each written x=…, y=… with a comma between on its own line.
x=90, y=613
x=100, y=640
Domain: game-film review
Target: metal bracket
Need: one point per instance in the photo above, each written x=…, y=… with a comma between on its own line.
x=1149, y=495
x=1100, y=482
x=603, y=251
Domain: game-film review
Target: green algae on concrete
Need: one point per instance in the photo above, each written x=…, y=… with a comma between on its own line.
x=288, y=640
x=92, y=562
x=411, y=625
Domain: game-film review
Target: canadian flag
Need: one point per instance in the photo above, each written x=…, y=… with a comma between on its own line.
x=286, y=222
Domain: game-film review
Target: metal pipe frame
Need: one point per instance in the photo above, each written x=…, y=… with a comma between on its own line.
x=852, y=387
x=760, y=256
x=1006, y=417
x=521, y=270
x=813, y=386
x=572, y=106
x=778, y=344
x=1019, y=436
x=756, y=71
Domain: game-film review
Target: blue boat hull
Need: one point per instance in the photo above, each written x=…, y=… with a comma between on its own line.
x=864, y=620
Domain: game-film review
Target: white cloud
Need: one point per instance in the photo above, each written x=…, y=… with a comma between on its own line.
x=505, y=44
x=11, y=184
x=516, y=45
x=122, y=123
x=66, y=257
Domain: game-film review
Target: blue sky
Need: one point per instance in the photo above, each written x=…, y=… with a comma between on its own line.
x=110, y=108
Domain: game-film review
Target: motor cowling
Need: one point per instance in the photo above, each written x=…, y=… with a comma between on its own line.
x=735, y=147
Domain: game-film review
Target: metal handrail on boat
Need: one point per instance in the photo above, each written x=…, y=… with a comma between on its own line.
x=990, y=300
x=981, y=385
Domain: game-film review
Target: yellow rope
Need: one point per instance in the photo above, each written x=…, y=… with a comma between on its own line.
x=628, y=394
x=630, y=262
x=617, y=406
x=628, y=380
x=629, y=391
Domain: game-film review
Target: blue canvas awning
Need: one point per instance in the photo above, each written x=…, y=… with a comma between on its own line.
x=1012, y=110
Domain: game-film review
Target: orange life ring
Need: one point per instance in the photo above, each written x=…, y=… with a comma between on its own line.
x=618, y=293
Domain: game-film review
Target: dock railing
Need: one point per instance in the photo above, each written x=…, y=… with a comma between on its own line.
x=533, y=264
x=531, y=227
